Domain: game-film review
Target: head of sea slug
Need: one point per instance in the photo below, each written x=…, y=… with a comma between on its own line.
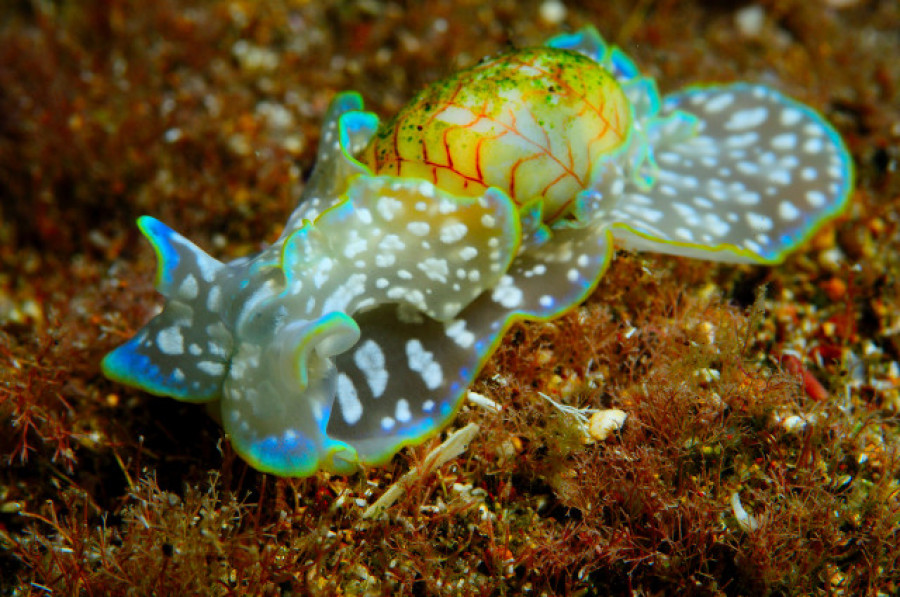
x=343, y=359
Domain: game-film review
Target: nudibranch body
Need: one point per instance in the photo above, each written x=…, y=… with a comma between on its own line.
x=494, y=196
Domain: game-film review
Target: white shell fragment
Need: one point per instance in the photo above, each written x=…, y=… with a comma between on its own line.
x=483, y=402
x=605, y=422
x=747, y=522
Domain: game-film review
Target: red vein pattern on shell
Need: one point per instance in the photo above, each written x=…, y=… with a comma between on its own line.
x=532, y=123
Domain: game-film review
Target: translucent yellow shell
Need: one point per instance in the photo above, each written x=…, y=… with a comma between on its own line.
x=532, y=123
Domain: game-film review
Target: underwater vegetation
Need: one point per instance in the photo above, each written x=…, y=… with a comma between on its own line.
x=669, y=425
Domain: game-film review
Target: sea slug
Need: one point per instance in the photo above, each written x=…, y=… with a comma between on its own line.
x=493, y=196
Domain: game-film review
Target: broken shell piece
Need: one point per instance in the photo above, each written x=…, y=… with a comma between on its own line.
x=746, y=521
x=482, y=401
x=605, y=422
x=600, y=424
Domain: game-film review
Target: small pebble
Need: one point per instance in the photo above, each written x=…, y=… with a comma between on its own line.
x=706, y=333
x=831, y=259
x=835, y=288
x=553, y=12
x=750, y=20
x=794, y=424
x=707, y=375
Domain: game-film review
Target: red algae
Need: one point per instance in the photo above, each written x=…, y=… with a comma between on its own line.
x=782, y=402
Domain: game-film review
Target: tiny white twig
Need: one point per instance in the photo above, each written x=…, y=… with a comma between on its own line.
x=452, y=447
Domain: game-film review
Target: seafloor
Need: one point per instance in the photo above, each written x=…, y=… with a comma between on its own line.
x=760, y=454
